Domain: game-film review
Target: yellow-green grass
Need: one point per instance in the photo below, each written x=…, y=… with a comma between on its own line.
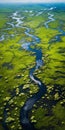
x=15, y=63
x=3, y=20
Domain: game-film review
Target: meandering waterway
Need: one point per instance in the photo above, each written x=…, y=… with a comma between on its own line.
x=24, y=112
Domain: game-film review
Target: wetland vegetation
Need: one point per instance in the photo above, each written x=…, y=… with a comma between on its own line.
x=32, y=56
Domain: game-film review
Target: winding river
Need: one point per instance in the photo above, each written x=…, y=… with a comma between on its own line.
x=50, y=19
x=24, y=120
x=24, y=112
x=42, y=88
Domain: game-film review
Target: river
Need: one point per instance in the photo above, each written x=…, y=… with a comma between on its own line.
x=24, y=112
